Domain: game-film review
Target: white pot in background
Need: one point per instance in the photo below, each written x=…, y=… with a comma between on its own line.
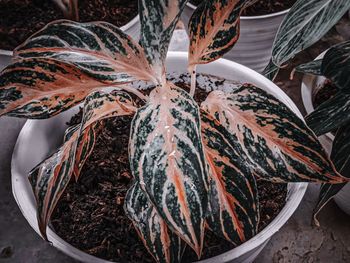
x=132, y=29
x=310, y=85
x=39, y=138
x=254, y=46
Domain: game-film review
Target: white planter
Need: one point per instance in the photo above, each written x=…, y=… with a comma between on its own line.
x=254, y=46
x=132, y=29
x=309, y=87
x=5, y=58
x=39, y=138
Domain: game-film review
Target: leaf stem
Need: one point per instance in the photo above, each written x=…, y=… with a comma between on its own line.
x=192, y=70
x=134, y=91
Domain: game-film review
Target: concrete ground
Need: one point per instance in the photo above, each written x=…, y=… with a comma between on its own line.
x=297, y=241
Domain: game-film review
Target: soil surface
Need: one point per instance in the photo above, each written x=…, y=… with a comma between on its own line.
x=90, y=214
x=19, y=19
x=262, y=7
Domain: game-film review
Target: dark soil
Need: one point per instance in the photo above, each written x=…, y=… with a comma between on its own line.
x=326, y=92
x=90, y=214
x=19, y=19
x=262, y=7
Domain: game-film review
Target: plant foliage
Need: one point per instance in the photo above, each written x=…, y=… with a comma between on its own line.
x=193, y=165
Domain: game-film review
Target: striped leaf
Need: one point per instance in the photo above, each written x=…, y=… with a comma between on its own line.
x=313, y=67
x=280, y=147
x=160, y=242
x=336, y=65
x=306, y=22
x=50, y=178
x=270, y=71
x=331, y=114
x=341, y=158
x=213, y=29
x=61, y=64
x=158, y=20
x=99, y=49
x=167, y=158
x=233, y=210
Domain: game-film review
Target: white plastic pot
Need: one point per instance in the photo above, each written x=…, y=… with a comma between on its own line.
x=132, y=29
x=254, y=46
x=39, y=138
x=310, y=85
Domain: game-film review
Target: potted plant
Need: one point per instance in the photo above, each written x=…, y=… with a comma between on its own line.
x=19, y=19
x=258, y=26
x=193, y=164
x=329, y=115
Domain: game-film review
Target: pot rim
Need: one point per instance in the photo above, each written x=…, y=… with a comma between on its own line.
x=124, y=28
x=280, y=13
x=307, y=86
x=296, y=192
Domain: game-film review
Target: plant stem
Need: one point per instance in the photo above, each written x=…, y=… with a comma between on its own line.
x=192, y=70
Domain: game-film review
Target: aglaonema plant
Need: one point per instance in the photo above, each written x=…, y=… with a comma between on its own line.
x=194, y=166
x=304, y=25
x=333, y=114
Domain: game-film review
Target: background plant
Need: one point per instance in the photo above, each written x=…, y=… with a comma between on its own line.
x=193, y=165
x=304, y=25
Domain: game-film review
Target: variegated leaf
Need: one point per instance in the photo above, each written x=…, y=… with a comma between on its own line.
x=162, y=244
x=214, y=29
x=306, y=22
x=158, y=20
x=99, y=49
x=61, y=64
x=313, y=67
x=341, y=158
x=279, y=145
x=167, y=158
x=331, y=114
x=270, y=71
x=336, y=65
x=233, y=211
x=51, y=177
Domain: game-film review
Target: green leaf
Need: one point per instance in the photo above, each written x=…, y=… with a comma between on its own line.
x=313, y=67
x=330, y=115
x=50, y=178
x=341, y=158
x=160, y=242
x=336, y=65
x=158, y=20
x=213, y=30
x=233, y=211
x=167, y=158
x=61, y=64
x=280, y=147
x=270, y=71
x=306, y=22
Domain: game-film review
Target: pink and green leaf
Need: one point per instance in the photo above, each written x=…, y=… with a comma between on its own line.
x=233, y=211
x=162, y=244
x=60, y=65
x=158, y=20
x=277, y=143
x=167, y=158
x=214, y=29
x=50, y=178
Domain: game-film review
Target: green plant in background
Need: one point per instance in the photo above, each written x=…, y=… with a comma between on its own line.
x=193, y=165
x=69, y=8
x=304, y=25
